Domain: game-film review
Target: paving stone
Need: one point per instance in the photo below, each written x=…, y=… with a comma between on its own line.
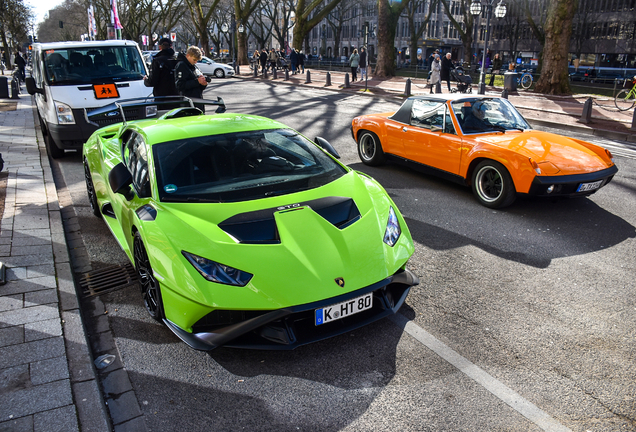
x=11, y=302
x=31, y=250
x=66, y=286
x=116, y=382
x=42, y=329
x=77, y=351
x=14, y=378
x=23, y=285
x=135, y=425
x=57, y=420
x=28, y=315
x=11, y=335
x=35, y=399
x=16, y=273
x=29, y=352
x=50, y=370
x=42, y=297
x=36, y=271
x=123, y=408
x=90, y=407
x=22, y=424
x=29, y=260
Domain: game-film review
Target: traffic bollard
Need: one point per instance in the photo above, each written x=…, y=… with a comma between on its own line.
x=255, y=71
x=15, y=87
x=633, y=122
x=275, y=74
x=308, y=80
x=265, y=73
x=286, y=74
x=586, y=115
x=407, y=87
x=504, y=93
x=346, y=84
x=328, y=79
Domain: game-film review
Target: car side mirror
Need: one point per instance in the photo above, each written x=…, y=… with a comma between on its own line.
x=325, y=145
x=120, y=180
x=436, y=129
x=31, y=87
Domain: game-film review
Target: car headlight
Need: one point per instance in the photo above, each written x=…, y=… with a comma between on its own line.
x=64, y=113
x=216, y=272
x=393, y=231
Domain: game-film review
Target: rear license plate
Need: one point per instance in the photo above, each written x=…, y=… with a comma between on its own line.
x=344, y=309
x=584, y=187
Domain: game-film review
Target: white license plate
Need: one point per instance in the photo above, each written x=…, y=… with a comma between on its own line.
x=583, y=187
x=344, y=309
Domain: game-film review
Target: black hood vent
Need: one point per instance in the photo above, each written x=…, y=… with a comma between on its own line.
x=259, y=227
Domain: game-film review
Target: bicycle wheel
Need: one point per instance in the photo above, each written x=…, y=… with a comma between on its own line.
x=526, y=81
x=625, y=99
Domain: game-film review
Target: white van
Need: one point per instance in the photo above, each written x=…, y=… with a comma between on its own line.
x=71, y=77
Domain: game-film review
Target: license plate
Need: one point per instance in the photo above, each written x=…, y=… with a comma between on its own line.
x=584, y=187
x=344, y=309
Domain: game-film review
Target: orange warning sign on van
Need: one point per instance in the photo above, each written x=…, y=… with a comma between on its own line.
x=105, y=91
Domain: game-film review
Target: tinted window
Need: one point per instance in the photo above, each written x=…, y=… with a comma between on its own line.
x=241, y=166
x=136, y=159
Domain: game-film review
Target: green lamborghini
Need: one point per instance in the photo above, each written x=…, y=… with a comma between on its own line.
x=243, y=232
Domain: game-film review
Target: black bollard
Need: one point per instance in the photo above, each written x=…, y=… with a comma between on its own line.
x=286, y=74
x=15, y=87
x=346, y=84
x=633, y=121
x=504, y=94
x=308, y=80
x=265, y=73
x=586, y=115
x=255, y=71
x=328, y=79
x=275, y=74
x=407, y=87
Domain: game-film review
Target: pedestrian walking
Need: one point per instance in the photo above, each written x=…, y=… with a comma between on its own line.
x=162, y=78
x=496, y=66
x=436, y=68
x=263, y=60
x=189, y=80
x=446, y=67
x=293, y=59
x=364, y=63
x=19, y=61
x=354, y=62
x=272, y=58
x=301, y=61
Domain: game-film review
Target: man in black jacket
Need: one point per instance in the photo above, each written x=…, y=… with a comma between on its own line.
x=189, y=80
x=162, y=70
x=447, y=65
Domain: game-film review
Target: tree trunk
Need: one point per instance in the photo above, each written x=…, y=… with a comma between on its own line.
x=387, y=23
x=558, y=30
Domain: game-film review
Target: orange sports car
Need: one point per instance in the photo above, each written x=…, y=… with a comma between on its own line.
x=485, y=143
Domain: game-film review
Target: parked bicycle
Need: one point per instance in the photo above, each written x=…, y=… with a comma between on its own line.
x=626, y=98
x=525, y=80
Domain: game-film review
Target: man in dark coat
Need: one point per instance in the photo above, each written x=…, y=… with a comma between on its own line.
x=496, y=66
x=189, y=80
x=19, y=61
x=293, y=59
x=447, y=65
x=162, y=70
x=263, y=60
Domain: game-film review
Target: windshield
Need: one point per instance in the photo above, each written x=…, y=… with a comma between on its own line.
x=93, y=65
x=479, y=115
x=241, y=166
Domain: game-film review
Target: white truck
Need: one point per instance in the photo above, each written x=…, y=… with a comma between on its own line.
x=72, y=78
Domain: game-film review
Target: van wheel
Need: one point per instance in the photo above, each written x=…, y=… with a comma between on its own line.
x=54, y=151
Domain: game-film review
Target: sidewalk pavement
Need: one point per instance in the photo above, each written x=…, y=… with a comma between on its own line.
x=47, y=379
x=563, y=112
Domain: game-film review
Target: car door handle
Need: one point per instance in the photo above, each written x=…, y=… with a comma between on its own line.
x=404, y=129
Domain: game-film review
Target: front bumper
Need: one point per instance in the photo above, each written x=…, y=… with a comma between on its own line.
x=291, y=327
x=568, y=185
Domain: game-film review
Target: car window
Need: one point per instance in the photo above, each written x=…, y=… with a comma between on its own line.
x=241, y=166
x=479, y=115
x=426, y=114
x=136, y=160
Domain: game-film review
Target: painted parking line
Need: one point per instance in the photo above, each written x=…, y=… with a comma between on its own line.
x=481, y=377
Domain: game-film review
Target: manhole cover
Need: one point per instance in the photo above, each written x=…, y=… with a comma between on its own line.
x=107, y=279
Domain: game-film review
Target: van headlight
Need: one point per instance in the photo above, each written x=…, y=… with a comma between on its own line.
x=64, y=113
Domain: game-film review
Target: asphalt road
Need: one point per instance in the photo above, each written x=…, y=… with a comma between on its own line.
x=524, y=319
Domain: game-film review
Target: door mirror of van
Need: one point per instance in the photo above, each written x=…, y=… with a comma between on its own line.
x=31, y=87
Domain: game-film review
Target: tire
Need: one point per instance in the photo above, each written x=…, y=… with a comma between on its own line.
x=526, y=81
x=622, y=102
x=219, y=73
x=492, y=185
x=370, y=149
x=53, y=150
x=150, y=290
x=90, y=189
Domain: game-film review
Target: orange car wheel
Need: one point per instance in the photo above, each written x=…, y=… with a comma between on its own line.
x=370, y=149
x=492, y=185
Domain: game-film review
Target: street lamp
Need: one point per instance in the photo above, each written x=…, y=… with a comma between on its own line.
x=500, y=12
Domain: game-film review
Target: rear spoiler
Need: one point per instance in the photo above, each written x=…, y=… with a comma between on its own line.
x=116, y=111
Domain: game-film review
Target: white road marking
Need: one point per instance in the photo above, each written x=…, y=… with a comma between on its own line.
x=481, y=377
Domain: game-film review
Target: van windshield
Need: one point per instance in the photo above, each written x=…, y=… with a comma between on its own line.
x=95, y=64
